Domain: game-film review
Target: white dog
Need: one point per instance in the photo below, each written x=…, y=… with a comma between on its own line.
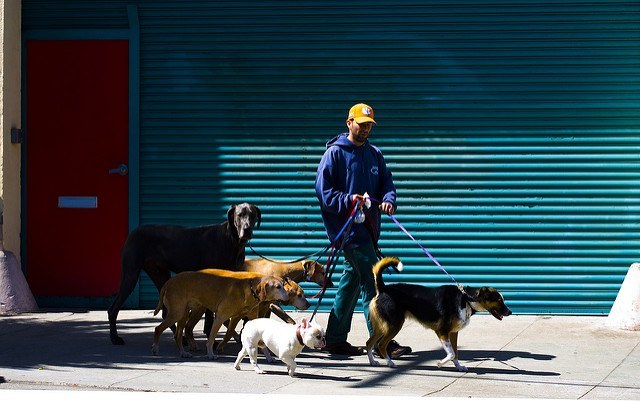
x=284, y=340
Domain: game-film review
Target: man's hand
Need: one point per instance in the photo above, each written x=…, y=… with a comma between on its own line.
x=358, y=199
x=386, y=207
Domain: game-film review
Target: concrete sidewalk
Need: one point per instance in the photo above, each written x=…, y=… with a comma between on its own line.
x=526, y=356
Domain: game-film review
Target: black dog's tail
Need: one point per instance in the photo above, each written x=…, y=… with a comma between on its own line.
x=380, y=267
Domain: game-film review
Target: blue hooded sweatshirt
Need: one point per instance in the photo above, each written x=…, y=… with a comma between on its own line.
x=346, y=170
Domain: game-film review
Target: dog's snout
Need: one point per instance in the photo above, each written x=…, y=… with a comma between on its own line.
x=246, y=233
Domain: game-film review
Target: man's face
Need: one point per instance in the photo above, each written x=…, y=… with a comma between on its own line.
x=359, y=133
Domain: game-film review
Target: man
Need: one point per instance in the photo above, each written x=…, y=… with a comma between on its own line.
x=351, y=167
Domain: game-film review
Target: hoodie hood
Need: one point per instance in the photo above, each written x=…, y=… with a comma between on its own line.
x=344, y=142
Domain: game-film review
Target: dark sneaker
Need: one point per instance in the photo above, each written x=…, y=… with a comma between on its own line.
x=343, y=348
x=395, y=350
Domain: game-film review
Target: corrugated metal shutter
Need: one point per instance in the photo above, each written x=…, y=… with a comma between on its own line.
x=512, y=129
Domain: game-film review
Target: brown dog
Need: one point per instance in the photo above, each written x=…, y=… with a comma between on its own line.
x=228, y=294
x=296, y=299
x=307, y=270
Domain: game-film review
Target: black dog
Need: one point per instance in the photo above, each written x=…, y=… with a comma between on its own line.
x=445, y=309
x=162, y=249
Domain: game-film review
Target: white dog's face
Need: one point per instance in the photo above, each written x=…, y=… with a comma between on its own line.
x=312, y=334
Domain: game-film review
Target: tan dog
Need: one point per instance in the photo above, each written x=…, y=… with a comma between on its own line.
x=296, y=299
x=228, y=294
x=307, y=270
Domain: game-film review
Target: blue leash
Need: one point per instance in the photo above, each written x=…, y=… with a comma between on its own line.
x=433, y=259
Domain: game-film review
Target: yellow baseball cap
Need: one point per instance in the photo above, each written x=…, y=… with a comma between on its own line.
x=361, y=113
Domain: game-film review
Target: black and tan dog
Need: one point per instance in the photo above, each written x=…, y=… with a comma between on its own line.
x=445, y=309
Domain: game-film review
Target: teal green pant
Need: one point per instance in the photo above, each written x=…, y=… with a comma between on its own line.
x=357, y=280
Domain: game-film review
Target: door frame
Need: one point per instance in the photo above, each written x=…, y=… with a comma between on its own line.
x=132, y=35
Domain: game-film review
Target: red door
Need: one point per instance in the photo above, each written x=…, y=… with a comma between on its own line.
x=76, y=138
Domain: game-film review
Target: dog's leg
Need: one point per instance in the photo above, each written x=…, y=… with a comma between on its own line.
x=159, y=330
x=453, y=336
x=382, y=348
x=267, y=355
x=159, y=273
x=194, y=318
x=112, y=313
x=252, y=351
x=371, y=342
x=231, y=328
x=129, y=278
x=217, y=323
x=243, y=352
x=208, y=322
x=178, y=337
x=388, y=331
x=454, y=344
x=451, y=355
x=291, y=364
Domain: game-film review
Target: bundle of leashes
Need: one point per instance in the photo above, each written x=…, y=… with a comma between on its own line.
x=334, y=254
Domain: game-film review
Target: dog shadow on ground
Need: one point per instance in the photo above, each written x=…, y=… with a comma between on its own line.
x=300, y=375
x=30, y=342
x=425, y=363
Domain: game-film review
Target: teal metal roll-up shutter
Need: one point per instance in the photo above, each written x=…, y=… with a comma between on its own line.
x=512, y=129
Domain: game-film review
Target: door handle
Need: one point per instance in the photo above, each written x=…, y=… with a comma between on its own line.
x=121, y=169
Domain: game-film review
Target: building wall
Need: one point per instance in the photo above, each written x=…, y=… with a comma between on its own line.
x=10, y=60
x=511, y=127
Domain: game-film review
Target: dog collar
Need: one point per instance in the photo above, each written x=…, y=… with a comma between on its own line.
x=299, y=336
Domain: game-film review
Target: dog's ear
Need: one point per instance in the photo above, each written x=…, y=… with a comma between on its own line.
x=490, y=294
x=309, y=267
x=472, y=293
x=304, y=324
x=258, y=213
x=262, y=288
x=231, y=217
